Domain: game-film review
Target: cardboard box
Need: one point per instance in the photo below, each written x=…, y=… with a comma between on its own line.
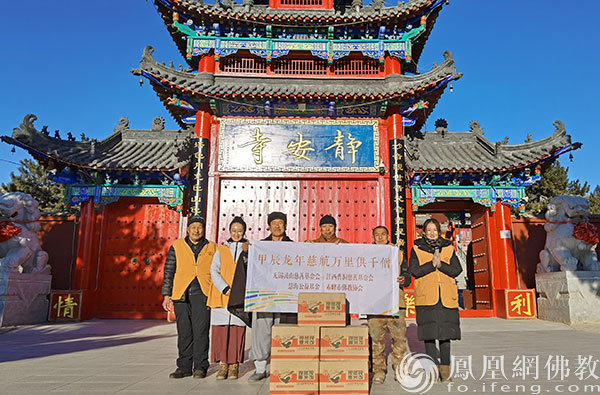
x=294, y=376
x=344, y=377
x=351, y=342
x=322, y=308
x=293, y=341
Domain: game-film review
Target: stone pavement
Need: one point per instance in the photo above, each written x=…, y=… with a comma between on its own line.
x=136, y=356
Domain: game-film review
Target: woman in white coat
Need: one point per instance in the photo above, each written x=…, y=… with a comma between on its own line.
x=228, y=331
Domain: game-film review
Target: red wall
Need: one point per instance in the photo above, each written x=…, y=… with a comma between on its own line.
x=529, y=237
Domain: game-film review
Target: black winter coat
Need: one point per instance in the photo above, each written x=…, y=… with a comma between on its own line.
x=435, y=322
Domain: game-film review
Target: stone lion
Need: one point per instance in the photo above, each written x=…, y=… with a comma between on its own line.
x=570, y=239
x=22, y=251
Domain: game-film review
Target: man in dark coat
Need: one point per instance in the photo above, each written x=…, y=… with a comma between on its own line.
x=186, y=283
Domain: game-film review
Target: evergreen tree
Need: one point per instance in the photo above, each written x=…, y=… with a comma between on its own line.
x=595, y=201
x=555, y=181
x=32, y=180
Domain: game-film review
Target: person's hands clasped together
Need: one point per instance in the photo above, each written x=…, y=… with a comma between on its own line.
x=437, y=262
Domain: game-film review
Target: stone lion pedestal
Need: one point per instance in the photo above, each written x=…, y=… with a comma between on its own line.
x=569, y=296
x=25, y=299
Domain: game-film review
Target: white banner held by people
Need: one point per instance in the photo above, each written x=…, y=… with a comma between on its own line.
x=278, y=271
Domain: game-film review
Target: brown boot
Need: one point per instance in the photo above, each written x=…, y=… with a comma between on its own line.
x=379, y=377
x=445, y=373
x=223, y=370
x=233, y=371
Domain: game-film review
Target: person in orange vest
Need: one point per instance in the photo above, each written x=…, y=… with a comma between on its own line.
x=434, y=265
x=186, y=284
x=228, y=338
x=396, y=325
x=328, y=228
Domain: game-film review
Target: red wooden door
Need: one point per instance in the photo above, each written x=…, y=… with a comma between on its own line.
x=481, y=258
x=357, y=206
x=136, y=235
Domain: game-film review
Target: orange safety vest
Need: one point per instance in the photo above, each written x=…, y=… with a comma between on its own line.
x=216, y=299
x=429, y=287
x=188, y=268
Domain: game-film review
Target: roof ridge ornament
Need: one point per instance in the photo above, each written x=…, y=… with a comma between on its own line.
x=475, y=127
x=560, y=127
x=122, y=125
x=26, y=129
x=158, y=123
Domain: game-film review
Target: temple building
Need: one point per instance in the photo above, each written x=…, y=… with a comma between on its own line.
x=309, y=107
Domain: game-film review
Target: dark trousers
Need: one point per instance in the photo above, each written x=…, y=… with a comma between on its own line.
x=431, y=350
x=193, y=323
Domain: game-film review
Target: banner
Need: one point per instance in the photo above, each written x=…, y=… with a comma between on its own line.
x=278, y=271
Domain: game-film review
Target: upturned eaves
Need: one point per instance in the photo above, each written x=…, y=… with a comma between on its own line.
x=125, y=149
x=207, y=84
x=447, y=152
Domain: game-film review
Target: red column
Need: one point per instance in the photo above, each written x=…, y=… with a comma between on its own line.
x=207, y=64
x=505, y=247
x=394, y=124
x=203, y=124
x=83, y=266
x=392, y=65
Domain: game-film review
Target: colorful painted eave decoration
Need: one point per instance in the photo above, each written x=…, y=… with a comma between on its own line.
x=484, y=195
x=171, y=195
x=326, y=49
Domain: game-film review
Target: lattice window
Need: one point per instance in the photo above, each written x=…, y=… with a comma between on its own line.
x=299, y=67
x=245, y=65
x=365, y=66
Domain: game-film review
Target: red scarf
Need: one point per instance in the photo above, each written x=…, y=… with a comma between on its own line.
x=8, y=230
x=586, y=232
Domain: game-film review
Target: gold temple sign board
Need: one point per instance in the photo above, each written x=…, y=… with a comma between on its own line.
x=281, y=145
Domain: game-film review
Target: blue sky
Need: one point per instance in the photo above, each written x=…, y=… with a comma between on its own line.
x=525, y=64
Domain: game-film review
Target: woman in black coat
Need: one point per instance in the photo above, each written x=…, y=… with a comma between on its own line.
x=435, y=266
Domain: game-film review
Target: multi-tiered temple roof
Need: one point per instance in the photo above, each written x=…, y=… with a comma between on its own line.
x=350, y=19
x=202, y=87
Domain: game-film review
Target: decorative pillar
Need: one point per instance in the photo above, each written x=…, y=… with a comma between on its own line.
x=392, y=65
x=505, y=246
x=397, y=181
x=84, y=273
x=199, y=164
x=207, y=64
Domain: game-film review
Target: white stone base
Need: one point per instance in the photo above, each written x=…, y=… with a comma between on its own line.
x=26, y=300
x=569, y=297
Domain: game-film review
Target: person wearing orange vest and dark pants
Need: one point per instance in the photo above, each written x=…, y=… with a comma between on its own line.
x=435, y=266
x=187, y=283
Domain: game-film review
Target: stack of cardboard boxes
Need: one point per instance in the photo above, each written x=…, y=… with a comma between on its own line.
x=320, y=355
